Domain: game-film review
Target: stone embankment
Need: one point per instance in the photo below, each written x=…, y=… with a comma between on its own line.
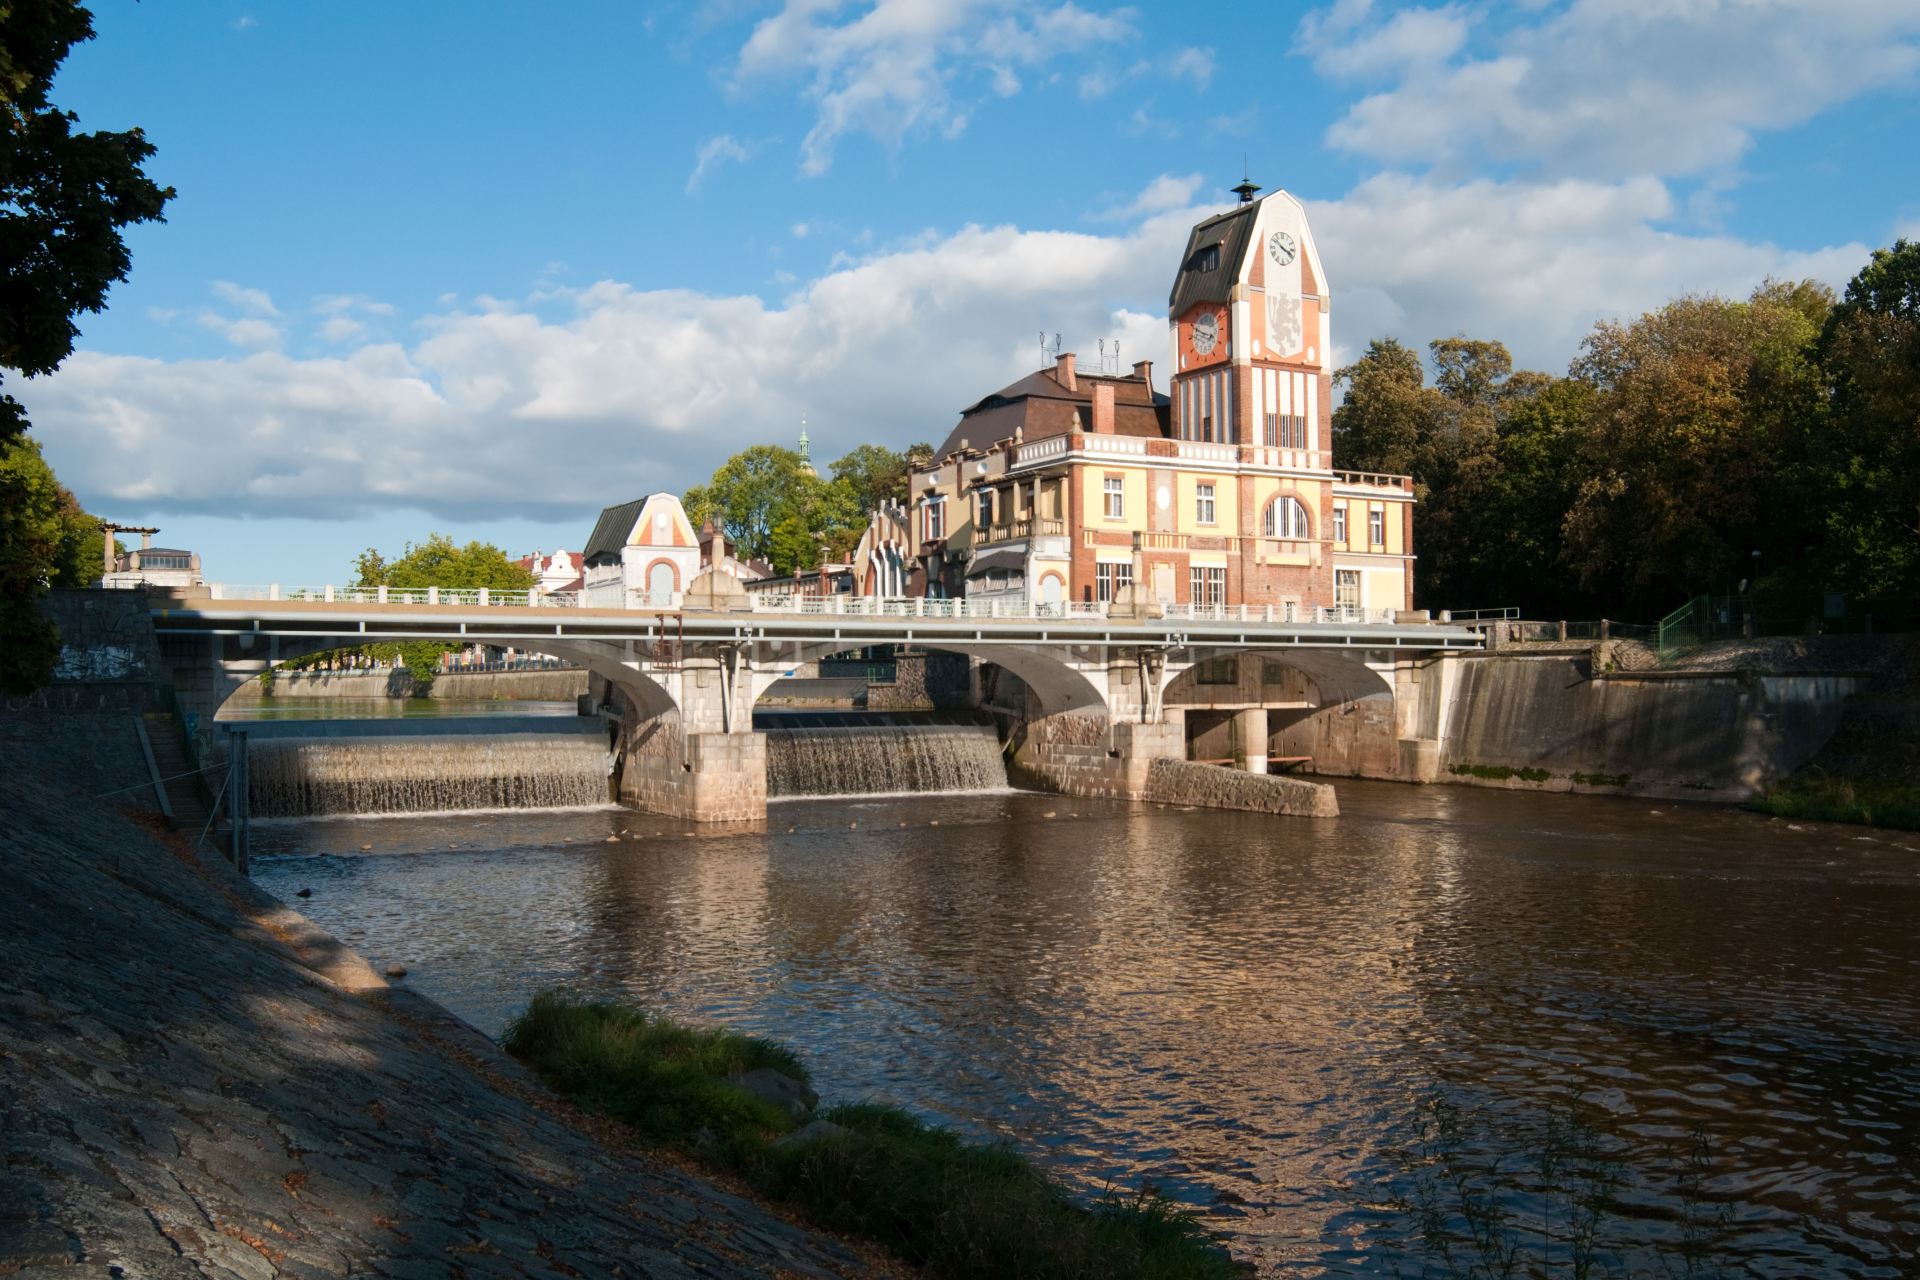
x=1184, y=782
x=197, y=1082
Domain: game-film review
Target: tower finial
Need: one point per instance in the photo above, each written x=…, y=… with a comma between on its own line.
x=1247, y=189
x=806, y=457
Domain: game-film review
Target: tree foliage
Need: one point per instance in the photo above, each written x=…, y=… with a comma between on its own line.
x=438, y=562
x=773, y=507
x=65, y=197
x=1680, y=443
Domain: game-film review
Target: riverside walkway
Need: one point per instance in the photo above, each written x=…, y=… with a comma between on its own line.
x=197, y=1082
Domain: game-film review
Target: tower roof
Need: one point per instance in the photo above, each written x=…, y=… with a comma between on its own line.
x=1209, y=278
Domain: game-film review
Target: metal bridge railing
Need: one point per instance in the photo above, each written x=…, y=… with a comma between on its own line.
x=1007, y=606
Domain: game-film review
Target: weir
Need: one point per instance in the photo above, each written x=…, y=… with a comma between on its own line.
x=311, y=777
x=877, y=759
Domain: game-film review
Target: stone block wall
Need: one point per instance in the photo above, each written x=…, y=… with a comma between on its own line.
x=1082, y=756
x=1183, y=782
x=704, y=777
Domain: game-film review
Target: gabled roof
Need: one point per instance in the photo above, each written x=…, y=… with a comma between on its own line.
x=611, y=529
x=1231, y=231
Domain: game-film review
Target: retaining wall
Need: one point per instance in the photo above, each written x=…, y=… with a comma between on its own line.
x=1554, y=723
x=1183, y=782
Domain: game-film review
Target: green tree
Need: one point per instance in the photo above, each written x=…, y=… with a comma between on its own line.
x=1385, y=416
x=878, y=474
x=1866, y=454
x=65, y=197
x=438, y=562
x=48, y=541
x=773, y=508
x=1699, y=412
x=752, y=492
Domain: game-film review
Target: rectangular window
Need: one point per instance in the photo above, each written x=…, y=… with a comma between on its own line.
x=1340, y=524
x=936, y=520
x=1346, y=588
x=986, y=509
x=1207, y=587
x=1109, y=578
x=1203, y=504
x=1273, y=430
x=1377, y=527
x=1217, y=671
x=1115, y=489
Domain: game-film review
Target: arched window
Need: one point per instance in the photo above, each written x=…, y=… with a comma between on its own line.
x=1287, y=518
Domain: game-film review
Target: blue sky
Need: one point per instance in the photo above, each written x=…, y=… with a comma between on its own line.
x=485, y=268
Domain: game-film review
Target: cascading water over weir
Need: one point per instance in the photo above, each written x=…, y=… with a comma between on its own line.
x=878, y=756
x=310, y=777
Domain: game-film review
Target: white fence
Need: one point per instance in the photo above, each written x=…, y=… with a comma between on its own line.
x=1008, y=607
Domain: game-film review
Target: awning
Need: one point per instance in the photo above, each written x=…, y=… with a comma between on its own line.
x=1004, y=560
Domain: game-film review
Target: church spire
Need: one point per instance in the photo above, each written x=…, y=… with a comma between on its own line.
x=806, y=457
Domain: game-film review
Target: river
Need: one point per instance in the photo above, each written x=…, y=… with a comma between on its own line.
x=1324, y=1035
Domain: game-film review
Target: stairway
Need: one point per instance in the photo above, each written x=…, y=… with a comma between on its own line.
x=185, y=793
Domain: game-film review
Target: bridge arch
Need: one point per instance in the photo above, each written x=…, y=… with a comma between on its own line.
x=1328, y=707
x=1060, y=687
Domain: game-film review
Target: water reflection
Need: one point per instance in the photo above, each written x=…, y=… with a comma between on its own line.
x=1254, y=1012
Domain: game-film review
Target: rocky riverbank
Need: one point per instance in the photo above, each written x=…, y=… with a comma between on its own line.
x=198, y=1082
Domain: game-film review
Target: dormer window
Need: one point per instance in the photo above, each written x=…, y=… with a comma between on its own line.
x=1205, y=259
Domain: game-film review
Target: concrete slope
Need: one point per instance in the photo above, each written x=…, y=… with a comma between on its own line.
x=196, y=1081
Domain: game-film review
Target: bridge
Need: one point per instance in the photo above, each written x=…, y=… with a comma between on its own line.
x=1096, y=691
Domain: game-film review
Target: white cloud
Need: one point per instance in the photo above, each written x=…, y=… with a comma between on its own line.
x=245, y=22
x=1533, y=264
x=713, y=153
x=1167, y=192
x=1097, y=83
x=1410, y=38
x=250, y=331
x=1608, y=88
x=1193, y=64
x=889, y=70
x=500, y=411
x=252, y=301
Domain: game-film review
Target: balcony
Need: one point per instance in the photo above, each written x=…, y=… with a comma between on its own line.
x=1022, y=530
x=1374, y=480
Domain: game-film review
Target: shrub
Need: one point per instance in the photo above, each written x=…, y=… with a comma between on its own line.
x=951, y=1207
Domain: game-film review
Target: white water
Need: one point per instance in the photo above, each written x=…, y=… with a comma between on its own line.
x=295, y=777
x=883, y=760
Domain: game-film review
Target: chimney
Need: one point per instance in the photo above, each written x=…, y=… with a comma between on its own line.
x=1063, y=371
x=1143, y=370
x=146, y=540
x=1103, y=408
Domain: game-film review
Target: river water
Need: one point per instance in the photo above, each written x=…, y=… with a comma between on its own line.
x=1326, y=1036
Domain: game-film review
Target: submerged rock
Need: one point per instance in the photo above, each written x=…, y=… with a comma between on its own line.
x=783, y=1091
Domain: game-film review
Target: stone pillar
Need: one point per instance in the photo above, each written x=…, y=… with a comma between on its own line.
x=1250, y=739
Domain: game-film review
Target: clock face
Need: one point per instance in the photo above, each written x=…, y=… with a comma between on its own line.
x=1281, y=247
x=1206, y=332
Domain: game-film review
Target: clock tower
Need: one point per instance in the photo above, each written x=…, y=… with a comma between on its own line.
x=1248, y=315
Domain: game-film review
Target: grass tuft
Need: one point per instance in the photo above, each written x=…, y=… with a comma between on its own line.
x=951, y=1207
x=1818, y=797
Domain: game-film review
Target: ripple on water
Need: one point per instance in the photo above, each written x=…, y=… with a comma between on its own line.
x=1256, y=1014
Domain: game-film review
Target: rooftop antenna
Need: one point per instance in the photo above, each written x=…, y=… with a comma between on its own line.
x=1110, y=357
x=1049, y=351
